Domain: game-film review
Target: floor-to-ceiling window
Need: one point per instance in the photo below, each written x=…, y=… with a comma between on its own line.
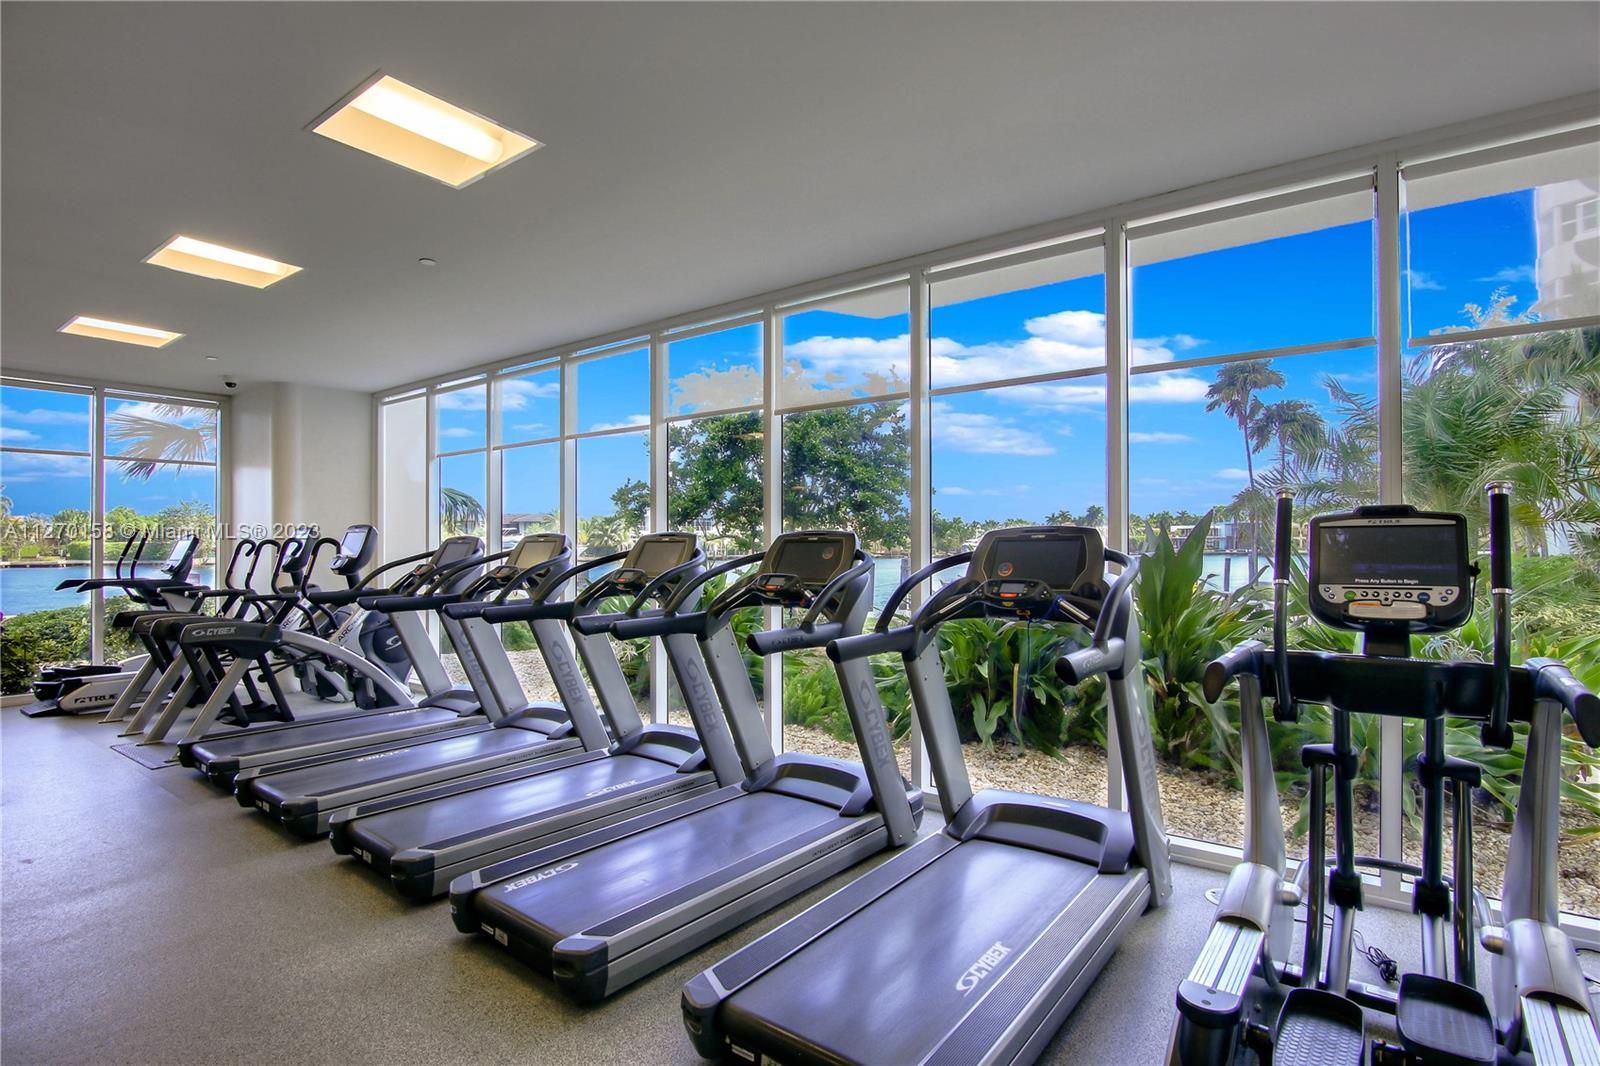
x=1501, y=381
x=83, y=473
x=1253, y=370
x=1017, y=376
x=846, y=464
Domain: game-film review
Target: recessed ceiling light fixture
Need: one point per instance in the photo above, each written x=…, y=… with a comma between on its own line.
x=193, y=256
x=387, y=118
x=122, y=332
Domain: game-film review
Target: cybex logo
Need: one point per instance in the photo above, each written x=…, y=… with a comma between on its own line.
x=382, y=755
x=618, y=787
x=392, y=643
x=987, y=963
x=202, y=632
x=542, y=875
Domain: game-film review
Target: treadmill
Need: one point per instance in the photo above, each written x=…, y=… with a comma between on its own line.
x=604, y=909
x=424, y=839
x=447, y=570
x=305, y=797
x=973, y=945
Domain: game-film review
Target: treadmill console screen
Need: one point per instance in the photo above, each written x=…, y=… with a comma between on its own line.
x=814, y=561
x=455, y=550
x=656, y=555
x=354, y=539
x=1390, y=566
x=531, y=551
x=1056, y=561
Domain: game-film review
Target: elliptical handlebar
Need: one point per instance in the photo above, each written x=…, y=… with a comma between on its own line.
x=1497, y=730
x=1240, y=659
x=1552, y=680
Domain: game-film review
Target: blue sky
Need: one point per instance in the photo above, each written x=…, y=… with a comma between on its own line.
x=1019, y=452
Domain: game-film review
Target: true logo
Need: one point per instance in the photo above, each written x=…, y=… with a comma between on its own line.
x=987, y=963
x=542, y=875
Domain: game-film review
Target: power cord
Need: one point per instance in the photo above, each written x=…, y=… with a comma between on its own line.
x=1388, y=969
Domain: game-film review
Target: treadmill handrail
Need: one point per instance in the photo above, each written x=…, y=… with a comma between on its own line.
x=528, y=573
x=679, y=598
x=902, y=590
x=819, y=602
x=442, y=574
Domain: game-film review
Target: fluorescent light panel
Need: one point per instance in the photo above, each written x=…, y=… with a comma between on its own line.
x=413, y=129
x=122, y=332
x=194, y=256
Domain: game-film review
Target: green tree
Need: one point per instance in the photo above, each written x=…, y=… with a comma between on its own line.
x=460, y=513
x=847, y=468
x=1235, y=391
x=1295, y=427
x=632, y=503
x=714, y=480
x=143, y=436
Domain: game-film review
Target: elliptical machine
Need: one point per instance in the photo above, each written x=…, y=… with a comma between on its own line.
x=1389, y=573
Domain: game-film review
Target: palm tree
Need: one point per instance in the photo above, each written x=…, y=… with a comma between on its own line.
x=5, y=503
x=1234, y=391
x=148, y=434
x=459, y=512
x=1296, y=427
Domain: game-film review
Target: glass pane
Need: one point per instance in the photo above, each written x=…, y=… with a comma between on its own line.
x=403, y=528
x=1049, y=739
x=463, y=495
x=1043, y=317
x=530, y=406
x=1208, y=449
x=530, y=497
x=43, y=418
x=1517, y=241
x=613, y=492
x=846, y=468
x=45, y=540
x=715, y=371
x=156, y=430
x=614, y=392
x=714, y=482
x=460, y=417
x=853, y=346
x=168, y=500
x=1474, y=413
x=1305, y=272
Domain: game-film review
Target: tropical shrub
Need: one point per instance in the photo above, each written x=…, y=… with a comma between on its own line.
x=31, y=641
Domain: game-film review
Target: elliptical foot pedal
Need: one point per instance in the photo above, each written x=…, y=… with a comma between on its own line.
x=1559, y=1033
x=1318, y=1028
x=1444, y=1022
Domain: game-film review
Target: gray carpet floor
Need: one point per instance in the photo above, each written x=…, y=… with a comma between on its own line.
x=149, y=919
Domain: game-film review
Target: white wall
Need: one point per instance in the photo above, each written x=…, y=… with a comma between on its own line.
x=302, y=455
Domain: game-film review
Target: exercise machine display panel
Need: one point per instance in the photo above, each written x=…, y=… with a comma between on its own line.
x=1392, y=566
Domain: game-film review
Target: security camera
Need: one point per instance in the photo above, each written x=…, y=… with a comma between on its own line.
x=230, y=384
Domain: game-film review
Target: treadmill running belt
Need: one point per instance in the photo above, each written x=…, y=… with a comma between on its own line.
x=923, y=953
x=252, y=743
x=439, y=822
x=614, y=878
x=389, y=765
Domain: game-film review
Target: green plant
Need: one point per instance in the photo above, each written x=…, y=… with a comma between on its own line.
x=31, y=641
x=1186, y=623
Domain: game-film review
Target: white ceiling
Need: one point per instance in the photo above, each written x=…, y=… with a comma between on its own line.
x=696, y=153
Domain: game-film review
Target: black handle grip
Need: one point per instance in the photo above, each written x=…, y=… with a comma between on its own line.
x=389, y=604
x=591, y=624
x=657, y=625
x=1240, y=659
x=527, y=611
x=464, y=609
x=1497, y=730
x=899, y=641
x=817, y=635
x=1076, y=667
x=1553, y=681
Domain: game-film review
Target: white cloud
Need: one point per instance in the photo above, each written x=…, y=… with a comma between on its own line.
x=1158, y=437
x=627, y=423
x=1421, y=281
x=531, y=427
x=457, y=432
x=20, y=467
x=1232, y=473
x=1357, y=377
x=984, y=434
x=958, y=490
x=1511, y=275
x=516, y=392
x=44, y=417
x=473, y=399
x=12, y=435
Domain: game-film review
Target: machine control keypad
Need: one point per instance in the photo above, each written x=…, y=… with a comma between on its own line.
x=1388, y=602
